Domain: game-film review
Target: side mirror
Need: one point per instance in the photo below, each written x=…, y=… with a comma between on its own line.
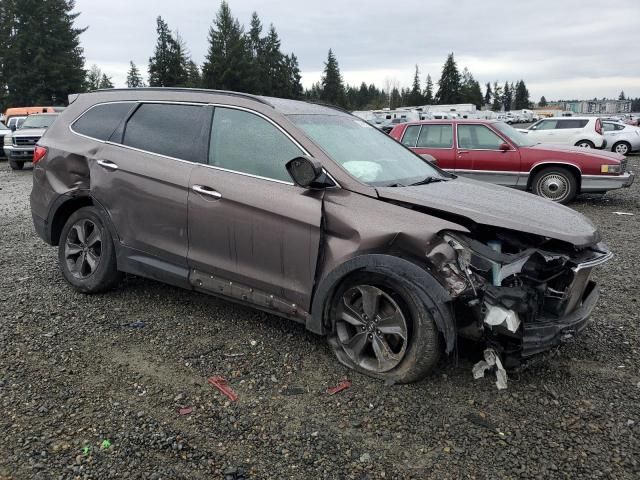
x=533, y=127
x=504, y=147
x=304, y=171
x=13, y=127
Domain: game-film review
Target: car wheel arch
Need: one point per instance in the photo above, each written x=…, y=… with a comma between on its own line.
x=433, y=294
x=577, y=172
x=65, y=206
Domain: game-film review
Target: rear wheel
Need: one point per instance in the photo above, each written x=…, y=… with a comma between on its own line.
x=383, y=329
x=86, y=253
x=557, y=184
x=16, y=165
x=585, y=144
x=622, y=148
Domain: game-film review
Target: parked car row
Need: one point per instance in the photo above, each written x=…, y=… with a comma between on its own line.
x=19, y=145
x=495, y=152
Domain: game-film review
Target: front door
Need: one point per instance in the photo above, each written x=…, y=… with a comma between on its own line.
x=436, y=139
x=251, y=231
x=480, y=157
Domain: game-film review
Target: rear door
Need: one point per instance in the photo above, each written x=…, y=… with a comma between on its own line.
x=544, y=131
x=252, y=233
x=436, y=139
x=479, y=155
x=141, y=177
x=568, y=130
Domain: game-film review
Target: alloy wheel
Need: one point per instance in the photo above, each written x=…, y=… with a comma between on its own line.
x=83, y=248
x=584, y=145
x=371, y=328
x=622, y=148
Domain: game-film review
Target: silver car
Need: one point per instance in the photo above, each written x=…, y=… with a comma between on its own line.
x=623, y=138
x=19, y=145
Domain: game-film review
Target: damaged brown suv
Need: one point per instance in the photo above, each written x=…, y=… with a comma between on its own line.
x=309, y=213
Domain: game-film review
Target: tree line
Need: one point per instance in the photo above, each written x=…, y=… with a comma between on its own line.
x=42, y=61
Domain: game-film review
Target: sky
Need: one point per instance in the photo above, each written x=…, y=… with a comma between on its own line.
x=562, y=49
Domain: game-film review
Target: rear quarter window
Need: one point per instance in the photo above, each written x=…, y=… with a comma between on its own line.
x=562, y=124
x=99, y=122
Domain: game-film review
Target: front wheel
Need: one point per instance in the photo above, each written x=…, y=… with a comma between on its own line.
x=384, y=330
x=557, y=184
x=86, y=253
x=622, y=148
x=16, y=165
x=585, y=144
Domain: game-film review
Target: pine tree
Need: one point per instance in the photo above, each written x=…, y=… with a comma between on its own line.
x=194, y=79
x=332, y=87
x=293, y=77
x=621, y=96
x=542, y=102
x=105, y=82
x=134, y=79
x=41, y=60
x=275, y=75
x=428, y=91
x=521, y=96
x=497, y=97
x=507, y=96
x=449, y=84
x=94, y=75
x=488, y=95
x=256, y=48
x=415, y=95
x=167, y=66
x=228, y=62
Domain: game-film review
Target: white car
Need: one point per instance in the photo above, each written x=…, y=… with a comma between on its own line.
x=623, y=138
x=579, y=131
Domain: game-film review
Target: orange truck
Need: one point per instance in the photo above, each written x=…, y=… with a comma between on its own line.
x=21, y=112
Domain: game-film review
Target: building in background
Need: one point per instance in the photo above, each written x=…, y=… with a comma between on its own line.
x=597, y=107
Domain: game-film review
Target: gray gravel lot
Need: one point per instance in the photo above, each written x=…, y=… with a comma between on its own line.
x=73, y=373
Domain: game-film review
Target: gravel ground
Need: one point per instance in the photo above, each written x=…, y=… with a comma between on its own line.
x=74, y=373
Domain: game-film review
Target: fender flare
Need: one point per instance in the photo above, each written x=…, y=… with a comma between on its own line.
x=434, y=296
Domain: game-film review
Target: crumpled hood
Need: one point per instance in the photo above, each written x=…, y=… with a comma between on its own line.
x=489, y=204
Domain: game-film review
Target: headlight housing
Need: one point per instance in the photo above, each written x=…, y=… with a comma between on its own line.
x=610, y=168
x=8, y=140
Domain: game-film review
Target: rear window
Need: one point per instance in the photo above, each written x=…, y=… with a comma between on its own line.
x=563, y=124
x=436, y=136
x=100, y=121
x=411, y=135
x=173, y=130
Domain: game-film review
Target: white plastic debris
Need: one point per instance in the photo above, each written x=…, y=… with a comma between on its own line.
x=501, y=316
x=491, y=360
x=623, y=213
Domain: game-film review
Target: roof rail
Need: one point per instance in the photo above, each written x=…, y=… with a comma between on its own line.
x=184, y=89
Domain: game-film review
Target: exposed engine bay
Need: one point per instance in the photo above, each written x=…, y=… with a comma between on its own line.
x=520, y=293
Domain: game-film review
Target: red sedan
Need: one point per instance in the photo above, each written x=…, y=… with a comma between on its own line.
x=495, y=152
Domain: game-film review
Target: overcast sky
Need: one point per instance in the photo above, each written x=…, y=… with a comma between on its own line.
x=561, y=48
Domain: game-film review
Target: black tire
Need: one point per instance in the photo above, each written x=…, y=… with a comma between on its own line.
x=585, y=144
x=623, y=148
x=16, y=165
x=556, y=184
x=423, y=345
x=77, y=253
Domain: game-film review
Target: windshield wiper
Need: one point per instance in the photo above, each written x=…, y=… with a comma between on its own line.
x=428, y=180
x=395, y=184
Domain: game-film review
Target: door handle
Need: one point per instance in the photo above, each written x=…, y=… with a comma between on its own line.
x=208, y=191
x=109, y=165
x=460, y=152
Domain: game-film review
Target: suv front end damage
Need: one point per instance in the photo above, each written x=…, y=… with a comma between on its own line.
x=522, y=294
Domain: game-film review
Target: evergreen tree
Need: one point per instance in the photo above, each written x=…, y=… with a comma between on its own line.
x=256, y=48
x=449, y=84
x=507, y=96
x=497, y=97
x=275, y=80
x=470, y=91
x=415, y=95
x=293, y=78
x=488, y=94
x=105, y=82
x=635, y=105
x=621, y=96
x=94, y=75
x=332, y=87
x=521, y=96
x=134, y=79
x=194, y=79
x=227, y=65
x=41, y=60
x=167, y=66
x=542, y=102
x=395, y=99
x=428, y=91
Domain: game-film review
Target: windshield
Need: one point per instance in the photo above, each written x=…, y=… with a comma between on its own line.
x=519, y=138
x=365, y=152
x=39, y=121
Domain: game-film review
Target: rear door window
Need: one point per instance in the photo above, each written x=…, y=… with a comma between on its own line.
x=100, y=121
x=411, y=135
x=436, y=136
x=173, y=130
x=244, y=142
x=565, y=124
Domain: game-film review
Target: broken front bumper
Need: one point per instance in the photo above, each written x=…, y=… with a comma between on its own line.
x=547, y=333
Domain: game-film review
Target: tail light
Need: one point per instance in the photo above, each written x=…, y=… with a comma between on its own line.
x=598, y=126
x=39, y=153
